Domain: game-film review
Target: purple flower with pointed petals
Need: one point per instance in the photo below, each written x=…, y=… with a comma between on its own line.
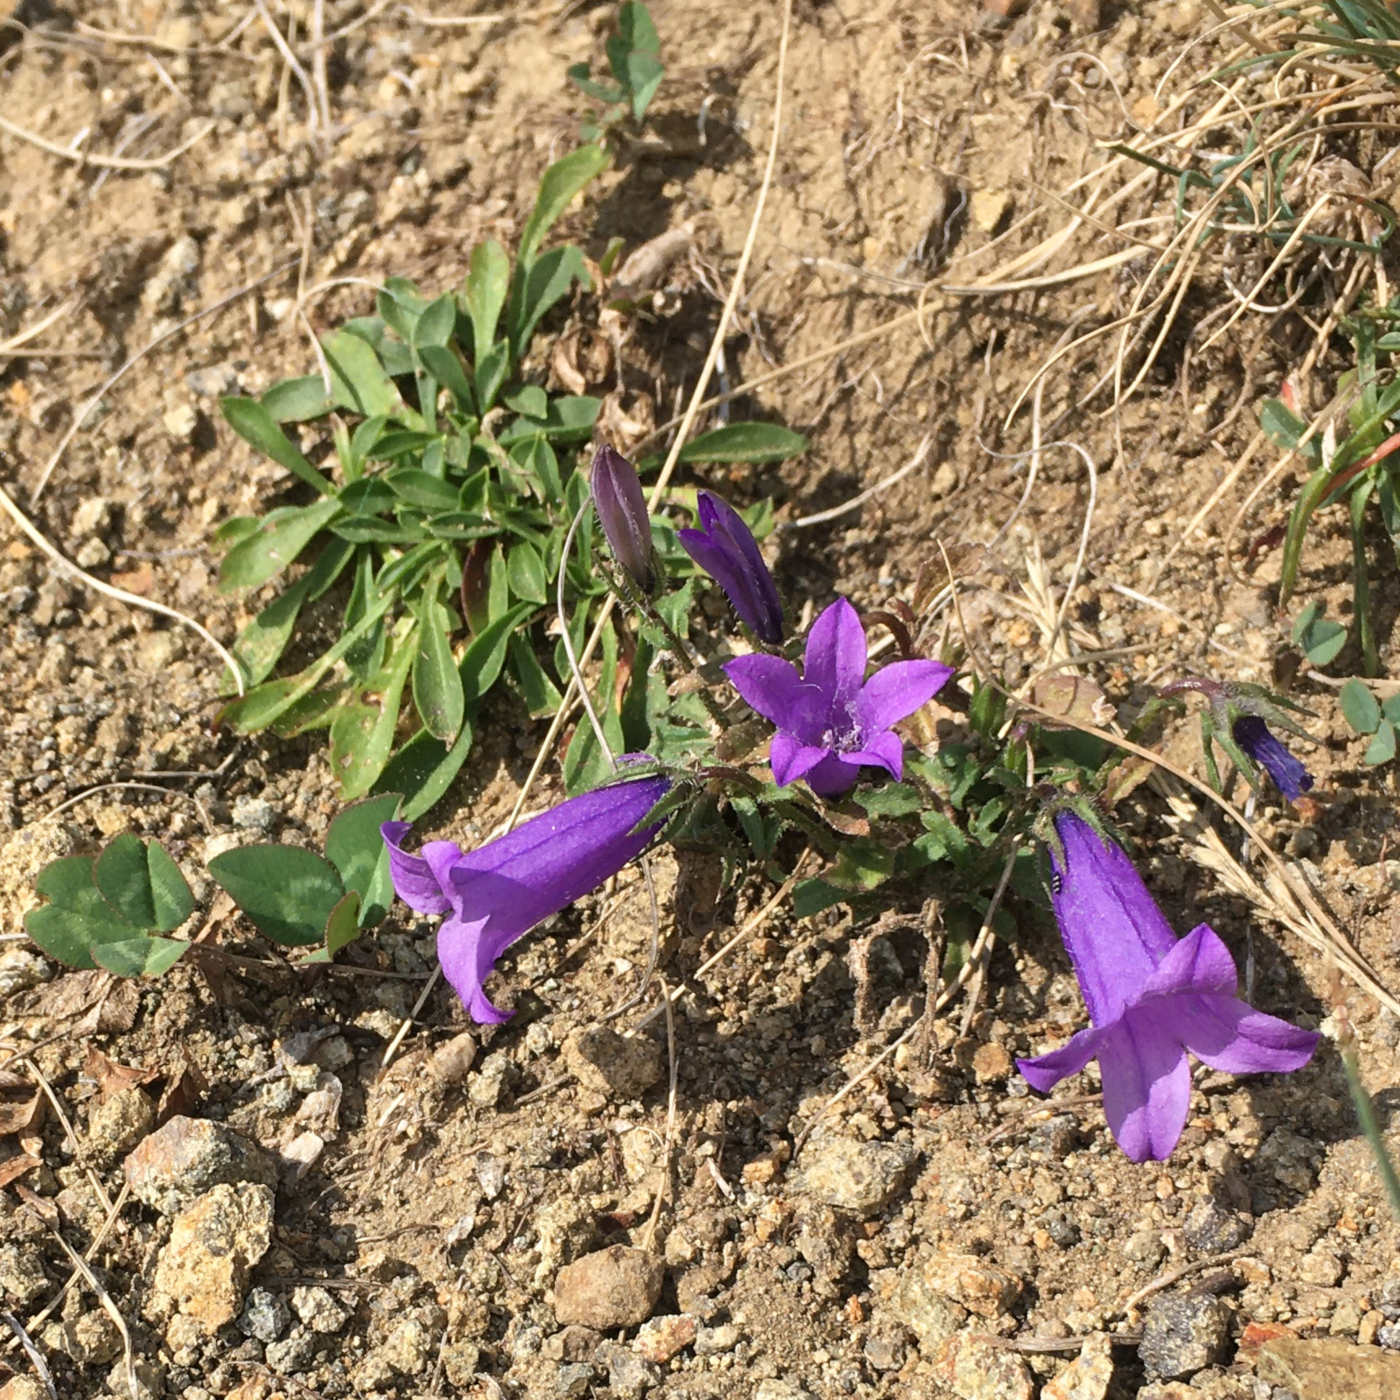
x=622, y=511
x=501, y=890
x=830, y=719
x=1267, y=750
x=726, y=549
x=1152, y=998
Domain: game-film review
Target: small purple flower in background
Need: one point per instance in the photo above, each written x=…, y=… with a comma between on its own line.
x=501, y=890
x=1151, y=996
x=726, y=549
x=830, y=719
x=1237, y=717
x=622, y=511
x=1257, y=740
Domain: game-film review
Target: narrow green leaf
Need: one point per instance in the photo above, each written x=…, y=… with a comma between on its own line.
x=423, y=770
x=526, y=572
x=287, y=892
x=437, y=323
x=265, y=703
x=547, y=281
x=140, y=957
x=437, y=683
x=481, y=665
x=362, y=733
x=447, y=370
x=281, y=536
x=488, y=282
x=491, y=371
x=745, y=442
x=343, y=924
x=358, y=380
x=540, y=694
x=558, y=186
x=297, y=400
x=252, y=422
x=812, y=896
x=261, y=643
x=1360, y=706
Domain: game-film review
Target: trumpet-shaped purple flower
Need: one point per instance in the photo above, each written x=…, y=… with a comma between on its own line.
x=726, y=549
x=501, y=890
x=622, y=511
x=1152, y=998
x=1267, y=750
x=830, y=719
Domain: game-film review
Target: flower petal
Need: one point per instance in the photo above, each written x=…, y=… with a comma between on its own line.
x=835, y=656
x=1262, y=745
x=881, y=751
x=791, y=759
x=833, y=776
x=726, y=549
x=1200, y=962
x=467, y=960
x=1113, y=930
x=1045, y=1071
x=420, y=881
x=1228, y=1034
x=896, y=691
x=1146, y=1084
x=771, y=686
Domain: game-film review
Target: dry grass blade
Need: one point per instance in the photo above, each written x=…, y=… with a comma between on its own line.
x=105, y=162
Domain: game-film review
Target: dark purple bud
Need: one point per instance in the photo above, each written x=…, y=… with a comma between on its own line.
x=622, y=511
x=726, y=549
x=1257, y=740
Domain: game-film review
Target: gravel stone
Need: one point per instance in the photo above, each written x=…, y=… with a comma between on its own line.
x=1088, y=1376
x=973, y=1370
x=118, y=1122
x=613, y=1287
x=213, y=1244
x=930, y=1315
x=22, y=1276
x=629, y=1375
x=1212, y=1229
x=860, y=1177
x=189, y=1155
x=320, y=1309
x=265, y=1315
x=573, y=1378
x=1182, y=1334
x=295, y=1352
x=977, y=1284
x=612, y=1064
x=1329, y=1369
x=661, y=1338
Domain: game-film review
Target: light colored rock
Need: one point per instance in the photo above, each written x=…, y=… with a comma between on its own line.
x=213, y=1245
x=860, y=1177
x=606, y=1062
x=613, y=1287
x=1087, y=1377
x=973, y=1370
x=1327, y=1369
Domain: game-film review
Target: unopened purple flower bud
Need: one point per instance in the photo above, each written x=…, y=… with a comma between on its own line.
x=726, y=549
x=622, y=511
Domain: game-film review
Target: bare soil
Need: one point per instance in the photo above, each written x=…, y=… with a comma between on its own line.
x=449, y=1190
